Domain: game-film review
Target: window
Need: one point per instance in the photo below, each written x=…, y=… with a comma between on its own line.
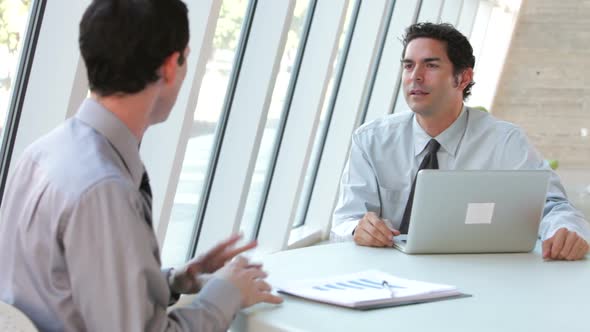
x=322, y=127
x=274, y=118
x=196, y=162
x=490, y=38
x=17, y=46
x=13, y=24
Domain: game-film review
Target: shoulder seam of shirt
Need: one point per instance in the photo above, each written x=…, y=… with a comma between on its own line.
x=507, y=128
x=394, y=120
x=111, y=178
x=75, y=202
x=500, y=124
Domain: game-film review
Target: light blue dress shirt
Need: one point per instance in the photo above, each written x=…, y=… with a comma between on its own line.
x=76, y=250
x=386, y=153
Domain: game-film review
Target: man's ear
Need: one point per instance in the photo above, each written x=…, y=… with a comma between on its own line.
x=168, y=70
x=465, y=78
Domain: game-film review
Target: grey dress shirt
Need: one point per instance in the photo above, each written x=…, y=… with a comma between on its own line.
x=385, y=155
x=76, y=251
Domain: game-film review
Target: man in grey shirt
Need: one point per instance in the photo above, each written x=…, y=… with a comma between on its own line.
x=77, y=248
x=378, y=181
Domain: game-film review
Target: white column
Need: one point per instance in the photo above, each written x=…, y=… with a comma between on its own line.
x=387, y=82
x=491, y=56
x=79, y=89
x=246, y=121
x=450, y=12
x=430, y=11
x=56, y=75
x=302, y=124
x=480, y=28
x=164, y=145
x=345, y=118
x=467, y=16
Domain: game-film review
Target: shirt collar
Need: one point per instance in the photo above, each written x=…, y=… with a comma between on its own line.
x=116, y=132
x=449, y=139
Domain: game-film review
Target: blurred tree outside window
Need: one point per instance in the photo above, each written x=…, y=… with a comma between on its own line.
x=13, y=22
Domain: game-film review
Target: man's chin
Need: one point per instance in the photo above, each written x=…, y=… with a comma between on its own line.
x=158, y=121
x=420, y=109
x=159, y=118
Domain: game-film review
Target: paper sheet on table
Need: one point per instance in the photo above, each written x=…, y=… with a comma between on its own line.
x=367, y=290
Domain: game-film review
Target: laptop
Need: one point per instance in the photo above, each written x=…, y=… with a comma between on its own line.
x=475, y=211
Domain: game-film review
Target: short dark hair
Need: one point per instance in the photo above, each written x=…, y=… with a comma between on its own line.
x=459, y=50
x=124, y=42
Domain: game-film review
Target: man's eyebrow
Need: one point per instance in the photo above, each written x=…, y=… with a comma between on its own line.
x=423, y=60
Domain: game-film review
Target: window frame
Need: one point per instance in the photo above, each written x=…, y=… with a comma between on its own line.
x=19, y=90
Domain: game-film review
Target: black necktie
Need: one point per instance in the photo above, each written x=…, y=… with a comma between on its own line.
x=429, y=162
x=146, y=193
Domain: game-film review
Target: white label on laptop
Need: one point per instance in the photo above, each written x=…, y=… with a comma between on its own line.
x=479, y=213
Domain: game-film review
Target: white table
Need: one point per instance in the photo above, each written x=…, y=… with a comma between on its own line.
x=511, y=292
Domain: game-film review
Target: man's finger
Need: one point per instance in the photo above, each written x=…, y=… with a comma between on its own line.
x=232, y=239
x=371, y=214
x=255, y=273
x=559, y=239
x=366, y=238
x=568, y=245
x=547, y=248
x=579, y=251
x=263, y=286
x=386, y=234
x=389, y=225
x=575, y=251
x=240, y=261
x=362, y=237
x=232, y=253
x=584, y=250
x=271, y=298
x=378, y=239
x=254, y=265
x=220, y=247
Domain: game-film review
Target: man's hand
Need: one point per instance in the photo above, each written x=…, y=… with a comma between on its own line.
x=372, y=231
x=185, y=279
x=249, y=279
x=565, y=245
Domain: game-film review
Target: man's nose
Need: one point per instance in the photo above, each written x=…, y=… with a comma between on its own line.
x=417, y=74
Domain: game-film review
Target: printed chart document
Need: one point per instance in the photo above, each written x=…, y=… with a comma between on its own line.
x=367, y=290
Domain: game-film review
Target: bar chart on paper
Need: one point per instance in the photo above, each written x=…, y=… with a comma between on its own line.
x=366, y=290
x=356, y=284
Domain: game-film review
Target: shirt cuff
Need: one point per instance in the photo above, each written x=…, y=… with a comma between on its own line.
x=173, y=295
x=582, y=229
x=222, y=295
x=343, y=231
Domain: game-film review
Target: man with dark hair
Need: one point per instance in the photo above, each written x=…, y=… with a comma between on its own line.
x=441, y=132
x=77, y=248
